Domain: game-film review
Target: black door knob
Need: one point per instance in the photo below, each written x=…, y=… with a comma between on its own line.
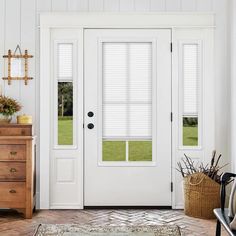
x=90, y=114
x=90, y=126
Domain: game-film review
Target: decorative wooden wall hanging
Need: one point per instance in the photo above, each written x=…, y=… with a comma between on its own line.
x=17, y=66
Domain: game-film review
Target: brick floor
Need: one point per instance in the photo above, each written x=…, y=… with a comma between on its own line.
x=12, y=223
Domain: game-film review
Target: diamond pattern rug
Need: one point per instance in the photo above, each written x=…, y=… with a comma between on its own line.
x=88, y=230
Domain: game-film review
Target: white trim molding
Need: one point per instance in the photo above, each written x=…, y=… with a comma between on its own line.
x=126, y=20
x=81, y=21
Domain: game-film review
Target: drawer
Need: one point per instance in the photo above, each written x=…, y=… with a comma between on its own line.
x=12, y=152
x=12, y=171
x=15, y=130
x=12, y=194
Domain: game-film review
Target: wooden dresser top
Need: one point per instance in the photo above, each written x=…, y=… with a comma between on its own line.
x=14, y=125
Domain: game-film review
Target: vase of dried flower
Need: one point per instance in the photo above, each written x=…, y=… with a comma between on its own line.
x=4, y=119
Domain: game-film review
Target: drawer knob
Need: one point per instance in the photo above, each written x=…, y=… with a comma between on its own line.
x=13, y=153
x=12, y=191
x=13, y=170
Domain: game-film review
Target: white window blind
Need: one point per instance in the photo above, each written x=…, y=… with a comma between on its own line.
x=127, y=90
x=65, y=58
x=190, y=80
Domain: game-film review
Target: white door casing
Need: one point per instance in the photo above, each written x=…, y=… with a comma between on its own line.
x=122, y=183
x=180, y=24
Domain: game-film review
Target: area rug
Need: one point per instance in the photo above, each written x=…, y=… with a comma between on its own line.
x=88, y=230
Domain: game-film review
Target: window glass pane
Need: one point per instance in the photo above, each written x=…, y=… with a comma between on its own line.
x=114, y=120
x=140, y=73
x=65, y=60
x=190, y=131
x=115, y=72
x=191, y=77
x=114, y=151
x=140, y=120
x=65, y=113
x=140, y=150
x=127, y=96
x=190, y=94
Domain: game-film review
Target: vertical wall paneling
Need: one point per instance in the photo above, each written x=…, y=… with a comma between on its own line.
x=188, y=5
x=173, y=5
x=2, y=42
x=83, y=5
x=12, y=38
x=29, y=93
x=142, y=5
x=111, y=5
x=28, y=42
x=44, y=5
x=222, y=82
x=96, y=5
x=232, y=29
x=127, y=5
x=157, y=5
x=59, y=5
x=78, y=5
x=73, y=5
x=206, y=5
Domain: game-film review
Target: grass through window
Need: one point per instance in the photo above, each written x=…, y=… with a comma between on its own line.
x=190, y=131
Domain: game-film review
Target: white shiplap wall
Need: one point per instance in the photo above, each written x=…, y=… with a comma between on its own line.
x=19, y=20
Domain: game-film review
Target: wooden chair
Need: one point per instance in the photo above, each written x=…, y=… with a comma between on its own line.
x=222, y=213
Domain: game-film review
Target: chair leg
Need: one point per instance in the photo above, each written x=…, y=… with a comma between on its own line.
x=218, y=228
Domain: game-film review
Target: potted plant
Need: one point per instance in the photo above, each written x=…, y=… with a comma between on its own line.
x=8, y=107
x=201, y=186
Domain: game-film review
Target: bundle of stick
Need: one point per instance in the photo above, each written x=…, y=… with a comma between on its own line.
x=187, y=167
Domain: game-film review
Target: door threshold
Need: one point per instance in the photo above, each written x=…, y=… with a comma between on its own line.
x=129, y=207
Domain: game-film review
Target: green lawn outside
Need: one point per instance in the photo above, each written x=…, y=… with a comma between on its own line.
x=113, y=151
x=140, y=150
x=190, y=135
x=116, y=150
x=65, y=131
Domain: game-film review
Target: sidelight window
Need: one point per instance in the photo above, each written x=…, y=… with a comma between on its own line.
x=64, y=87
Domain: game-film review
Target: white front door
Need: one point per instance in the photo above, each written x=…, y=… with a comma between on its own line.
x=127, y=117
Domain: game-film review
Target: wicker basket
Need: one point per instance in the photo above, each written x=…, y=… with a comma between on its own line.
x=201, y=195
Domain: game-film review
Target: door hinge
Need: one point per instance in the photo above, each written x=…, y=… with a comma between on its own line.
x=83, y=126
x=171, y=116
x=171, y=47
x=171, y=187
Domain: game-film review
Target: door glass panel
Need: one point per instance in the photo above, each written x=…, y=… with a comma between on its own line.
x=65, y=113
x=114, y=151
x=127, y=101
x=140, y=150
x=190, y=94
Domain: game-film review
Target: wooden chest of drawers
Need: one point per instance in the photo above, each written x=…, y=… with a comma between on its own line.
x=17, y=168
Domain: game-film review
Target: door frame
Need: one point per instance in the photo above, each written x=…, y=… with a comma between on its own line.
x=81, y=21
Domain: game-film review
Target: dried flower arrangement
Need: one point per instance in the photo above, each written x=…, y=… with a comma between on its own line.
x=8, y=107
x=187, y=167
